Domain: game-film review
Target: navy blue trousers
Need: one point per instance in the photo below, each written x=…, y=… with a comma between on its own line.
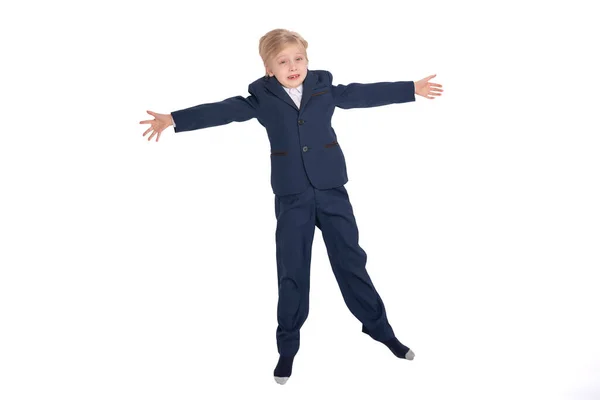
x=330, y=211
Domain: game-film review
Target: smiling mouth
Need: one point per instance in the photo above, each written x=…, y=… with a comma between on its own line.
x=293, y=76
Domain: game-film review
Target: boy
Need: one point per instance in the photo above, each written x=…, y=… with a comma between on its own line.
x=308, y=174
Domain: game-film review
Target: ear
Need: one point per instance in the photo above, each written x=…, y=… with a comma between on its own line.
x=268, y=71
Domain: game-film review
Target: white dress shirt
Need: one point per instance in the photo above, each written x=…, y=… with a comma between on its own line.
x=295, y=94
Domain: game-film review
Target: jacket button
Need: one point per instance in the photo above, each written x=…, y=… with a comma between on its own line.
x=300, y=121
x=305, y=149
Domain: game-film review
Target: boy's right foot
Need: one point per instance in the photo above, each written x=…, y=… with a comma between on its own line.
x=283, y=370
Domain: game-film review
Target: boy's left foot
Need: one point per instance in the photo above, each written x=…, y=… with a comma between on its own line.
x=399, y=350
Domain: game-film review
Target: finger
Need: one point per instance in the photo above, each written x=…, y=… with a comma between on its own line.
x=151, y=136
x=437, y=90
x=158, y=136
x=151, y=113
x=147, y=130
x=435, y=84
x=148, y=121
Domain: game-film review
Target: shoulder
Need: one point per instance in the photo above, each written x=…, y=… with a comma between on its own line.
x=258, y=85
x=260, y=81
x=324, y=77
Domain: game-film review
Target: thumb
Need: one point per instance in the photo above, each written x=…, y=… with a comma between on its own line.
x=431, y=76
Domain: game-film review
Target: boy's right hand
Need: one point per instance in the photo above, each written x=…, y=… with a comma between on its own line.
x=158, y=124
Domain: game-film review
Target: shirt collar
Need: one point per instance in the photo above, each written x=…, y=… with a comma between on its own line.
x=288, y=90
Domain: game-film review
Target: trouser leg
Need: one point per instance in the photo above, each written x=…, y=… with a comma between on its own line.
x=294, y=237
x=335, y=219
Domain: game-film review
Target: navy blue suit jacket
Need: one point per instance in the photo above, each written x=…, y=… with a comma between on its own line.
x=304, y=146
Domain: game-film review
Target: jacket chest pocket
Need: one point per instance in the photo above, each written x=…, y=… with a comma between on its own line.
x=279, y=153
x=319, y=93
x=334, y=143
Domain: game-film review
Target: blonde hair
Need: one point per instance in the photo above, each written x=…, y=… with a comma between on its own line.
x=276, y=40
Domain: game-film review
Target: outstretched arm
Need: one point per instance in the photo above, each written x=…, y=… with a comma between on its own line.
x=364, y=95
x=236, y=108
x=205, y=115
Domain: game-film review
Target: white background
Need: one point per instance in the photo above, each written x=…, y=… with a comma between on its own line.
x=143, y=270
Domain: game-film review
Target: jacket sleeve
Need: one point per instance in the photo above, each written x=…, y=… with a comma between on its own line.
x=236, y=109
x=364, y=95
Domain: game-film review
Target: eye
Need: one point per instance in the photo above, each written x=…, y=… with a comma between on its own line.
x=282, y=62
x=299, y=58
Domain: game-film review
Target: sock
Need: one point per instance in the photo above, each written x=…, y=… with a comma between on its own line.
x=399, y=350
x=283, y=370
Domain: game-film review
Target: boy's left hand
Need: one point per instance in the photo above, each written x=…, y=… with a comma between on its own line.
x=426, y=89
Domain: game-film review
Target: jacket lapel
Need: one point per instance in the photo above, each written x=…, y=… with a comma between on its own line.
x=273, y=85
x=307, y=89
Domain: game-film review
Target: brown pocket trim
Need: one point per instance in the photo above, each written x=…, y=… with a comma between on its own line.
x=320, y=93
x=279, y=153
x=332, y=144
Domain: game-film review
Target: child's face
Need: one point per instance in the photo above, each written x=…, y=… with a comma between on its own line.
x=290, y=61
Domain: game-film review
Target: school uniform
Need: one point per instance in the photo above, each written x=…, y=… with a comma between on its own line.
x=308, y=174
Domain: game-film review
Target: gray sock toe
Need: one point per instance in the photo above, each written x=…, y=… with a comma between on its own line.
x=281, y=380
